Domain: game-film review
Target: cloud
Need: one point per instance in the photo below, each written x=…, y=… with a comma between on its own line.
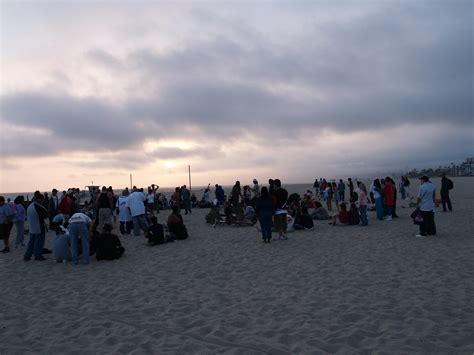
x=274, y=82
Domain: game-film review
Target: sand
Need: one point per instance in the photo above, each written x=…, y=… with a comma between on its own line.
x=330, y=290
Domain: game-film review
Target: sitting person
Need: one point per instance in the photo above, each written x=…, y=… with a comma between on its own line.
x=303, y=220
x=108, y=245
x=354, y=219
x=155, y=233
x=61, y=248
x=320, y=212
x=249, y=213
x=176, y=225
x=342, y=218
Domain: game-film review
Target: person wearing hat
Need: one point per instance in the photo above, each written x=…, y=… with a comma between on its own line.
x=426, y=203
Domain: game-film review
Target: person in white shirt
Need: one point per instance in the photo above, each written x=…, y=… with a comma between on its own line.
x=125, y=217
x=136, y=203
x=426, y=203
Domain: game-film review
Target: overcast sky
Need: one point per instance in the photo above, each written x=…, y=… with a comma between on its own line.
x=94, y=91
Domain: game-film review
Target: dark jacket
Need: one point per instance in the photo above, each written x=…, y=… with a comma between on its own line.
x=264, y=207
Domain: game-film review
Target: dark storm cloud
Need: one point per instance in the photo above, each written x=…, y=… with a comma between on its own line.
x=380, y=69
x=73, y=124
x=396, y=64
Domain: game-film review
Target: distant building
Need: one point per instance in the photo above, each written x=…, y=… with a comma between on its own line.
x=467, y=167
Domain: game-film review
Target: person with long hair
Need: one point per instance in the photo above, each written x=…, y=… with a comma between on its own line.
x=376, y=190
x=265, y=209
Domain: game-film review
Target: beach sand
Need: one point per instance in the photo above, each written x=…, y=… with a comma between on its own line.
x=330, y=290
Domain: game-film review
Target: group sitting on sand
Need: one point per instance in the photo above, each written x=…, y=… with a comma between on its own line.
x=277, y=211
x=89, y=230
x=86, y=229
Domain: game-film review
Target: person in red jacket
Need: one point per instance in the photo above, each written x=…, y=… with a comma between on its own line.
x=388, y=198
x=65, y=206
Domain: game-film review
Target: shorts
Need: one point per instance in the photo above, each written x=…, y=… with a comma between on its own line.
x=5, y=229
x=280, y=222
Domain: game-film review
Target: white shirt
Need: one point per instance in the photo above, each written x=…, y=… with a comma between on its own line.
x=375, y=192
x=124, y=212
x=135, y=203
x=426, y=195
x=150, y=198
x=79, y=218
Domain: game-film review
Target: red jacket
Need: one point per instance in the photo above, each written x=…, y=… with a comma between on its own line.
x=388, y=195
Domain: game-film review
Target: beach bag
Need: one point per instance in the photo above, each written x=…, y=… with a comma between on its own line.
x=417, y=217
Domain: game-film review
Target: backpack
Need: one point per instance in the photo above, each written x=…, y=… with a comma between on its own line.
x=450, y=184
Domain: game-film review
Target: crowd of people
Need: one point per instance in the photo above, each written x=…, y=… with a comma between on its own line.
x=277, y=211
x=85, y=227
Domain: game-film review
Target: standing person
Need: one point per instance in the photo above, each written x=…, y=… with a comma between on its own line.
x=104, y=208
x=79, y=227
x=394, y=186
x=362, y=203
x=446, y=185
x=53, y=207
x=236, y=193
x=351, y=186
x=327, y=196
x=6, y=218
x=65, y=206
x=388, y=198
x=150, y=199
x=36, y=214
x=220, y=194
x=426, y=203
x=255, y=190
x=406, y=185
x=176, y=197
x=136, y=203
x=264, y=209
x=125, y=218
x=376, y=190
x=186, y=197
x=281, y=209
x=341, y=190
x=401, y=188
x=271, y=187
x=316, y=187
x=19, y=220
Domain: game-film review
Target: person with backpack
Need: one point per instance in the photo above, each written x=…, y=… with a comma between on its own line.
x=446, y=185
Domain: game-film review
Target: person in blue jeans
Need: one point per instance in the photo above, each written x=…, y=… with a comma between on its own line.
x=264, y=209
x=376, y=190
x=78, y=227
x=36, y=215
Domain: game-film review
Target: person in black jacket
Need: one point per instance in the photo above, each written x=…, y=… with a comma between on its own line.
x=264, y=209
x=155, y=234
x=108, y=245
x=446, y=185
